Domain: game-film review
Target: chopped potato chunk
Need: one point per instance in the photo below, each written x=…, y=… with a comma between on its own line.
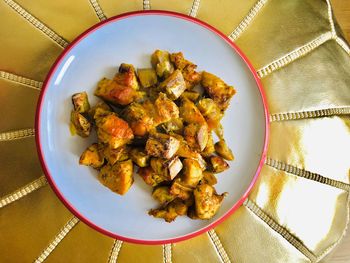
x=218, y=164
x=192, y=78
x=162, y=194
x=162, y=145
x=211, y=112
x=209, y=178
x=99, y=110
x=196, y=136
x=122, y=90
x=191, y=95
x=127, y=76
x=115, y=93
x=139, y=118
x=147, y=77
x=149, y=176
x=192, y=173
x=79, y=124
x=217, y=89
x=118, y=177
x=174, y=85
x=113, y=131
x=166, y=109
x=180, y=190
x=115, y=155
x=174, y=125
x=171, y=211
x=161, y=63
x=139, y=157
x=209, y=148
x=92, y=156
x=207, y=201
x=80, y=102
x=168, y=169
x=190, y=113
x=223, y=150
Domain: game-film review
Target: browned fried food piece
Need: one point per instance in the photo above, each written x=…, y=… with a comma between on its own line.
x=211, y=112
x=197, y=135
x=162, y=145
x=79, y=124
x=191, y=76
x=118, y=177
x=218, y=164
x=113, y=131
x=139, y=157
x=99, y=110
x=161, y=63
x=139, y=118
x=116, y=155
x=173, y=126
x=190, y=113
x=122, y=90
x=217, y=89
x=191, y=175
x=223, y=150
x=209, y=148
x=167, y=169
x=80, y=102
x=174, y=85
x=92, y=156
x=207, y=201
x=149, y=176
x=162, y=194
x=191, y=95
x=209, y=178
x=147, y=77
x=166, y=110
x=172, y=210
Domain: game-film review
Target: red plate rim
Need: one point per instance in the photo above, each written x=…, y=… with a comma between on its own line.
x=38, y=118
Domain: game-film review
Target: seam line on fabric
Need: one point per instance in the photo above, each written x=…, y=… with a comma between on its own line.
x=167, y=253
x=243, y=25
x=294, y=55
x=194, y=8
x=330, y=18
x=37, y=23
x=57, y=240
x=113, y=256
x=343, y=44
x=146, y=5
x=215, y=240
x=289, y=237
x=16, y=135
x=23, y=191
x=33, y=84
x=306, y=174
x=98, y=10
x=298, y=115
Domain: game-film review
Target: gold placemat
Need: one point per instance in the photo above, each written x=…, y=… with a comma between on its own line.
x=298, y=210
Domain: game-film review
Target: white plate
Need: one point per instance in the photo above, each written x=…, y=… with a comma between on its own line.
x=97, y=53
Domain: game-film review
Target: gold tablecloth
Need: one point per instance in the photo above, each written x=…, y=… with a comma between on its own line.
x=298, y=210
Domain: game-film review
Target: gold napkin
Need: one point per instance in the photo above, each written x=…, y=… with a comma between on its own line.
x=298, y=210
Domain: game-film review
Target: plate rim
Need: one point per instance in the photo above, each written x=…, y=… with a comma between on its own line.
x=49, y=76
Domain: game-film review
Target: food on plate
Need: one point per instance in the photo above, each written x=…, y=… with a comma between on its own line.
x=79, y=124
x=217, y=89
x=223, y=150
x=159, y=122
